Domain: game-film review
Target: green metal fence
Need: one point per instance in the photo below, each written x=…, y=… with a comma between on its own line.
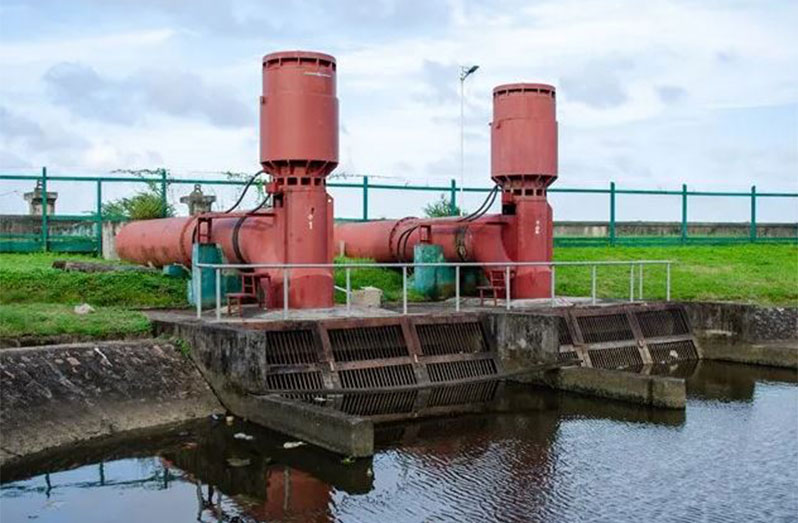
x=92, y=242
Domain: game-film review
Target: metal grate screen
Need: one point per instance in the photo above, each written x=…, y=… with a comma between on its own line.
x=373, y=377
x=672, y=351
x=668, y=322
x=368, y=343
x=610, y=327
x=291, y=347
x=451, y=338
x=615, y=357
x=458, y=370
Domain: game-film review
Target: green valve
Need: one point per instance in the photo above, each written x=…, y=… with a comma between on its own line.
x=432, y=282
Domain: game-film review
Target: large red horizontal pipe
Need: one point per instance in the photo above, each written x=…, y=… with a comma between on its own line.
x=259, y=239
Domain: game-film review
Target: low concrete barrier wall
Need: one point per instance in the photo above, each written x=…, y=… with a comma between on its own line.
x=56, y=395
x=657, y=391
x=600, y=229
x=744, y=333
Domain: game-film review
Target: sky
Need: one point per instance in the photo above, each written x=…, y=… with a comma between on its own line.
x=650, y=94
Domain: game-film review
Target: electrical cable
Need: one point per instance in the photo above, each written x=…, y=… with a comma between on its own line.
x=491, y=197
x=244, y=192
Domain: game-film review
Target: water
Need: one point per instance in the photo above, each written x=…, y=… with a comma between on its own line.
x=732, y=455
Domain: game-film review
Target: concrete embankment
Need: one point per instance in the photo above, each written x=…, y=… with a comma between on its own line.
x=749, y=334
x=62, y=394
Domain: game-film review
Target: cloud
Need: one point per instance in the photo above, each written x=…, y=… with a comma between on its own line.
x=439, y=83
x=129, y=100
x=20, y=130
x=670, y=93
x=597, y=84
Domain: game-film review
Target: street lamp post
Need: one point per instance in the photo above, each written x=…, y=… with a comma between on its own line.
x=465, y=72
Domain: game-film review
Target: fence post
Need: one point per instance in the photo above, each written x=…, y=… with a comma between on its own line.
x=752, y=232
x=612, y=213
x=164, y=203
x=45, y=224
x=453, y=198
x=684, y=214
x=99, y=231
x=365, y=198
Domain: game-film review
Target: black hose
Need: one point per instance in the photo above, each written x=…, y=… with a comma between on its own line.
x=480, y=214
x=244, y=192
x=489, y=199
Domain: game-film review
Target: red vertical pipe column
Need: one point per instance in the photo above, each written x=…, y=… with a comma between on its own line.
x=299, y=148
x=524, y=164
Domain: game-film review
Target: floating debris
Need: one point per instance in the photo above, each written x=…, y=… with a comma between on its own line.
x=239, y=462
x=229, y=420
x=241, y=435
x=293, y=444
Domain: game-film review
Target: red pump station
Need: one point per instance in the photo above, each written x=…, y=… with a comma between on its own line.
x=298, y=148
x=523, y=165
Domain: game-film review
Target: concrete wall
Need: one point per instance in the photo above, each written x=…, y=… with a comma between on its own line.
x=741, y=322
x=61, y=394
x=523, y=340
x=25, y=224
x=741, y=229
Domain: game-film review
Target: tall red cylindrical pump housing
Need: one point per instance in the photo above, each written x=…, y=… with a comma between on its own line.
x=299, y=114
x=524, y=136
x=299, y=148
x=524, y=164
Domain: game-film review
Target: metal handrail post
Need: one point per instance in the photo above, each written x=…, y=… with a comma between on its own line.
x=404, y=289
x=348, y=289
x=457, y=288
x=593, y=284
x=640, y=283
x=285, y=294
x=553, y=283
x=218, y=294
x=197, y=275
x=632, y=281
x=507, y=289
x=667, y=282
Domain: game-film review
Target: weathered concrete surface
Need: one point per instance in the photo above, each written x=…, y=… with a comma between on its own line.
x=233, y=362
x=524, y=340
x=738, y=229
x=657, y=391
x=744, y=333
x=742, y=322
x=774, y=354
x=56, y=395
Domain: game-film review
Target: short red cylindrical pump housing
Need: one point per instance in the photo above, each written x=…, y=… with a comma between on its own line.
x=298, y=115
x=524, y=137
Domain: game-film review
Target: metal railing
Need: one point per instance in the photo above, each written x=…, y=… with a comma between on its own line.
x=44, y=240
x=507, y=266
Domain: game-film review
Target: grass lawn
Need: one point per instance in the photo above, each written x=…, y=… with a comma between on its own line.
x=29, y=278
x=47, y=319
x=37, y=299
x=765, y=274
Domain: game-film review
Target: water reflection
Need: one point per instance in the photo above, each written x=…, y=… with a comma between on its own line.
x=535, y=455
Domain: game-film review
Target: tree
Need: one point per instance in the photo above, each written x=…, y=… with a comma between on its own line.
x=144, y=205
x=440, y=208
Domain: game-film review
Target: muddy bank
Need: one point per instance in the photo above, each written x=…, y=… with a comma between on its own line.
x=62, y=394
